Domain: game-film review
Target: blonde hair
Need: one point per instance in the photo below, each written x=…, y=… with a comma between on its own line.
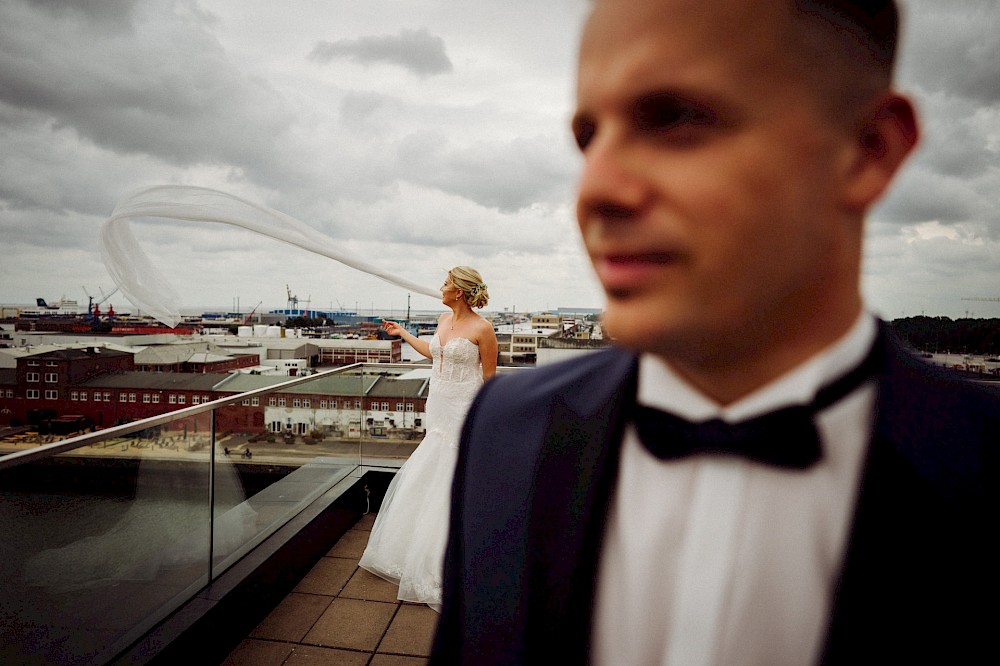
x=470, y=282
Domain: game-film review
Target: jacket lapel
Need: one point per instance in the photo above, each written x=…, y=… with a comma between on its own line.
x=578, y=465
x=909, y=530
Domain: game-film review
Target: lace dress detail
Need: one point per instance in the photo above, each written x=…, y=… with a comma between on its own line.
x=407, y=542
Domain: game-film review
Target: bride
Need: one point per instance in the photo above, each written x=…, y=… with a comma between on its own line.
x=408, y=539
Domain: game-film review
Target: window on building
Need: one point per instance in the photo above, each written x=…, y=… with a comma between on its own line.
x=255, y=402
x=74, y=395
x=31, y=394
x=145, y=398
x=274, y=426
x=51, y=363
x=307, y=403
x=51, y=394
x=409, y=406
x=107, y=396
x=322, y=404
x=204, y=399
x=385, y=406
x=33, y=376
x=357, y=404
x=195, y=400
x=131, y=397
x=246, y=402
x=181, y=399
x=51, y=378
x=123, y=397
x=400, y=406
x=33, y=363
x=271, y=402
x=83, y=396
x=296, y=402
x=281, y=402
x=172, y=399
x=156, y=398
x=10, y=393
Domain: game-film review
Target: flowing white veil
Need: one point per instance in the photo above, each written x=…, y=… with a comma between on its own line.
x=148, y=289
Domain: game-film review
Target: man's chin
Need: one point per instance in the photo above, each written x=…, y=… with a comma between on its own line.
x=629, y=324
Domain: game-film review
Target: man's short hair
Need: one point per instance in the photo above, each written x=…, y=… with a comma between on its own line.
x=851, y=44
x=873, y=25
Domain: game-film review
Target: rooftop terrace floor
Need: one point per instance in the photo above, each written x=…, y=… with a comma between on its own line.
x=341, y=614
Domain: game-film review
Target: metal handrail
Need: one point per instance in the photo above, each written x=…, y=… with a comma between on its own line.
x=46, y=451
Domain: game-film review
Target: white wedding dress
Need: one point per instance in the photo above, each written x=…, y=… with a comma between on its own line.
x=408, y=539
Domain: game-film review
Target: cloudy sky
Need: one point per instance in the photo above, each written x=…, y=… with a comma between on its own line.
x=419, y=134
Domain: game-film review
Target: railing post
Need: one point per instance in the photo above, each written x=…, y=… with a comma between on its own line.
x=211, y=498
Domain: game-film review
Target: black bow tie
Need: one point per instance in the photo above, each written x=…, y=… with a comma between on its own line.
x=786, y=437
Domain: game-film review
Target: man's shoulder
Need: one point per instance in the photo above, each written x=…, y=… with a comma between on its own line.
x=939, y=389
x=945, y=425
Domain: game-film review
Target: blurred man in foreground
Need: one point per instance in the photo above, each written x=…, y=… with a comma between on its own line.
x=759, y=473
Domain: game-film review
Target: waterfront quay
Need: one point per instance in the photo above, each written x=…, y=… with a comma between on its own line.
x=243, y=448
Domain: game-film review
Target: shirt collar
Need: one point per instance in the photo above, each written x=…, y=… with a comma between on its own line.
x=662, y=388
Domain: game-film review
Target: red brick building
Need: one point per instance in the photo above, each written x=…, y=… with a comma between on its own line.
x=41, y=382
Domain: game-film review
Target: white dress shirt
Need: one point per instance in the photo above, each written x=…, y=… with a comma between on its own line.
x=713, y=559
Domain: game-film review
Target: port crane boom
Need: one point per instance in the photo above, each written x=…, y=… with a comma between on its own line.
x=249, y=316
x=92, y=305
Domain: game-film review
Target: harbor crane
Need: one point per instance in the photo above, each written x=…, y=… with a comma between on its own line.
x=93, y=308
x=293, y=303
x=250, y=316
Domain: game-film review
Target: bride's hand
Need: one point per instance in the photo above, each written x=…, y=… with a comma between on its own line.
x=392, y=328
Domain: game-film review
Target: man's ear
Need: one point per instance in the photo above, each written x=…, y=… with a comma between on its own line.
x=886, y=135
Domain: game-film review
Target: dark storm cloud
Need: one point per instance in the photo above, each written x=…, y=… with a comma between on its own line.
x=414, y=50
x=958, y=146
x=953, y=46
x=926, y=195
x=506, y=175
x=114, y=14
x=161, y=86
x=950, y=63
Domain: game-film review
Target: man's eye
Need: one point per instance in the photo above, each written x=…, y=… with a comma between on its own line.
x=662, y=113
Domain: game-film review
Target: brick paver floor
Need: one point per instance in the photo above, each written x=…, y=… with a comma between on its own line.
x=341, y=614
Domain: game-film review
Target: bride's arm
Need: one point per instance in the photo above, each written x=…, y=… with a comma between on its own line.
x=487, y=349
x=421, y=346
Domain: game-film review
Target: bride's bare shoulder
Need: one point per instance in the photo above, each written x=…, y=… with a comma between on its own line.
x=484, y=327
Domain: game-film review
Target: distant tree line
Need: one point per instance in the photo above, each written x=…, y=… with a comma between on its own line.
x=943, y=335
x=305, y=322
x=291, y=322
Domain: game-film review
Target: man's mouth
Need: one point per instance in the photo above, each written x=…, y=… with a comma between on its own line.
x=623, y=273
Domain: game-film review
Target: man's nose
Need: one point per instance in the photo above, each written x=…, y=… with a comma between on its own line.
x=612, y=182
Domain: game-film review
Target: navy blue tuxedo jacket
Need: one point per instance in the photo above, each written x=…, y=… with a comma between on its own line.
x=538, y=464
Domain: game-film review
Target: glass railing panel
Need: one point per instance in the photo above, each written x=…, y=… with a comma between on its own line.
x=322, y=417
x=101, y=542
x=264, y=479
x=393, y=420
x=109, y=532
